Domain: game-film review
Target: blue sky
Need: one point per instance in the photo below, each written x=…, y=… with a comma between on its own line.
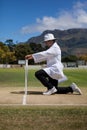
x=23, y=19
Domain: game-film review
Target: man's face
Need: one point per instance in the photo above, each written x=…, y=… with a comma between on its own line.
x=49, y=43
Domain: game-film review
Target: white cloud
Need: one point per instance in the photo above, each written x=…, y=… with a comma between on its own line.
x=76, y=18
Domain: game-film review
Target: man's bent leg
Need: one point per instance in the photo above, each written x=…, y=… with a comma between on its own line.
x=43, y=77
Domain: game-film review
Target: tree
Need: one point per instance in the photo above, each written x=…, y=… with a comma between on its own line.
x=10, y=44
x=6, y=56
x=36, y=47
x=83, y=57
x=70, y=58
x=21, y=50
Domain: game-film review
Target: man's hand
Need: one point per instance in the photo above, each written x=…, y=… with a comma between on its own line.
x=29, y=57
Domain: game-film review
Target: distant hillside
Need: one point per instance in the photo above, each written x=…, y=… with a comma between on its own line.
x=71, y=41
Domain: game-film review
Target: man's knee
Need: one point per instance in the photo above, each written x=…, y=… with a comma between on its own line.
x=37, y=74
x=40, y=73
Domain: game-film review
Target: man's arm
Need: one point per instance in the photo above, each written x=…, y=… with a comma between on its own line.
x=29, y=57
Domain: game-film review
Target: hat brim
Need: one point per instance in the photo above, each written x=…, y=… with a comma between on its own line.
x=49, y=40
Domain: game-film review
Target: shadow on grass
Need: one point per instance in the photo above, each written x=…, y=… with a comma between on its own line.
x=28, y=92
x=39, y=93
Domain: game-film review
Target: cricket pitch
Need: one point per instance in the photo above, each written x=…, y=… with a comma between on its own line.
x=14, y=96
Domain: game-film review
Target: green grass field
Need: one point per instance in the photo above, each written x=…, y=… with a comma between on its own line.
x=42, y=117
x=16, y=77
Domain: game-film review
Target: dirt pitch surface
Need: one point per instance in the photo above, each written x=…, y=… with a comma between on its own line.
x=14, y=96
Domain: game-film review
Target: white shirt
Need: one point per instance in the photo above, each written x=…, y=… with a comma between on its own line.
x=53, y=58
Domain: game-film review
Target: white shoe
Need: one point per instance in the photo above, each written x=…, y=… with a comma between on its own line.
x=50, y=91
x=75, y=88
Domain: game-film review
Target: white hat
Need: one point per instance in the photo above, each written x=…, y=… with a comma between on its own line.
x=48, y=37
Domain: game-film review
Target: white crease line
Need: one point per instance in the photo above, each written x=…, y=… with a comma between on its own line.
x=24, y=99
x=44, y=104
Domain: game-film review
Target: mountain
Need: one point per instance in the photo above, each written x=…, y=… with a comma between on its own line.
x=71, y=41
